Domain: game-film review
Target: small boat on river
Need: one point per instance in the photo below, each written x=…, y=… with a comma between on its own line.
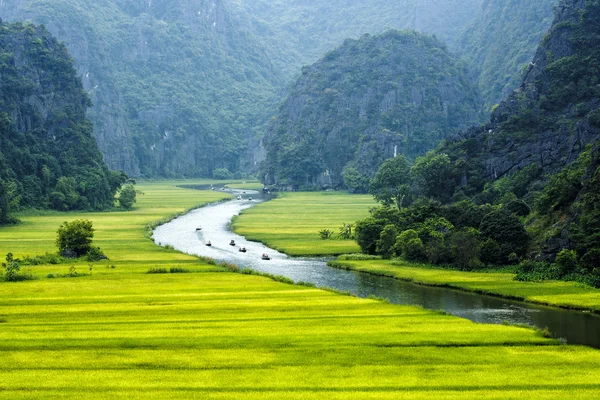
x=198, y=229
x=265, y=257
x=209, y=244
x=243, y=250
x=232, y=243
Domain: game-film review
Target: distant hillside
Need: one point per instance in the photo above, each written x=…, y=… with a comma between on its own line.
x=177, y=85
x=398, y=93
x=502, y=41
x=48, y=156
x=299, y=32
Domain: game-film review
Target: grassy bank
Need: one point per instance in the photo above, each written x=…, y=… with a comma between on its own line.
x=555, y=293
x=291, y=223
x=125, y=334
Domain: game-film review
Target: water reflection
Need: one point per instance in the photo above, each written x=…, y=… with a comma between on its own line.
x=181, y=233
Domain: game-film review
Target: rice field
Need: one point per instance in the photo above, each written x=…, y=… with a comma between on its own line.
x=291, y=223
x=555, y=293
x=209, y=334
x=250, y=185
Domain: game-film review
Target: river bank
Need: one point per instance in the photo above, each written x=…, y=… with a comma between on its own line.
x=568, y=295
x=181, y=234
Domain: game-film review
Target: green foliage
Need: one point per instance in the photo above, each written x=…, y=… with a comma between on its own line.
x=361, y=104
x=127, y=197
x=368, y=232
x=491, y=253
x=466, y=248
x=390, y=186
x=387, y=241
x=326, y=234
x=518, y=207
x=502, y=41
x=354, y=180
x=222, y=174
x=75, y=236
x=409, y=245
x=48, y=157
x=435, y=176
x=506, y=229
x=12, y=267
x=566, y=260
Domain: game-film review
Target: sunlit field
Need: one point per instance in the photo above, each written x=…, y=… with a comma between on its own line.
x=209, y=334
x=556, y=293
x=251, y=185
x=291, y=223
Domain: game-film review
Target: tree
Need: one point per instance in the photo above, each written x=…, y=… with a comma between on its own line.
x=506, y=229
x=12, y=266
x=75, y=236
x=466, y=248
x=9, y=200
x=391, y=183
x=387, y=241
x=410, y=246
x=127, y=197
x=368, y=232
x=355, y=181
x=434, y=175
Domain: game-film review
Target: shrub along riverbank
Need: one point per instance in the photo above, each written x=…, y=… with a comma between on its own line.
x=122, y=333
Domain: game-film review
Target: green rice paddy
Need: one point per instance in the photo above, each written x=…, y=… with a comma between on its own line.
x=291, y=223
x=124, y=334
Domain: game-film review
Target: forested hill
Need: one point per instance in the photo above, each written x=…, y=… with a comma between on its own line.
x=177, y=85
x=502, y=41
x=48, y=156
x=401, y=92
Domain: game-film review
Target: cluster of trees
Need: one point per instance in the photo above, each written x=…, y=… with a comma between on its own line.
x=73, y=240
x=426, y=217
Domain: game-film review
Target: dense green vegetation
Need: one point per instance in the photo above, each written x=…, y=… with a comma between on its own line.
x=292, y=222
x=177, y=86
x=518, y=191
x=502, y=41
x=116, y=331
x=299, y=32
x=48, y=156
x=370, y=98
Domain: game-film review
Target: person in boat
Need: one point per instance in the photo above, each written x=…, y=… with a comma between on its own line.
x=209, y=244
x=232, y=243
x=243, y=250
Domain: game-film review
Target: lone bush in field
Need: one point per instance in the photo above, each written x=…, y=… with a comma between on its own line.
x=127, y=197
x=76, y=237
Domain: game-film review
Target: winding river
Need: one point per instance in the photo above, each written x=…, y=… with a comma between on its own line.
x=181, y=233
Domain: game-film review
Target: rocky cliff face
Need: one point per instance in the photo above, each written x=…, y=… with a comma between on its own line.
x=371, y=99
x=177, y=85
x=555, y=112
x=502, y=41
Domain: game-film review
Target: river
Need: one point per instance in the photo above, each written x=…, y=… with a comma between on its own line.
x=181, y=233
